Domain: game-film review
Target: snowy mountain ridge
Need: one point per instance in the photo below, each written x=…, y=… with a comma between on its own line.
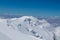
x=29, y=26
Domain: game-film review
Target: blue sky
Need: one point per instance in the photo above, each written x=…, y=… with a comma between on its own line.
x=30, y=7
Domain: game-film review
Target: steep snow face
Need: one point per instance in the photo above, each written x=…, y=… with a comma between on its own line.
x=12, y=33
x=31, y=26
x=57, y=33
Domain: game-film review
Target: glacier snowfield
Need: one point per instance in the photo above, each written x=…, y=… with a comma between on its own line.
x=30, y=28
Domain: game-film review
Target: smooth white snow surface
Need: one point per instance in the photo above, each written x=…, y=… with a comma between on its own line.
x=57, y=33
x=25, y=28
x=4, y=37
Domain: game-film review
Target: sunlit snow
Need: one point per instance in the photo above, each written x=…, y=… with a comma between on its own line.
x=27, y=28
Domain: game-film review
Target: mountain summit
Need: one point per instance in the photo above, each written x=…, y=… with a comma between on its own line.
x=30, y=25
x=26, y=28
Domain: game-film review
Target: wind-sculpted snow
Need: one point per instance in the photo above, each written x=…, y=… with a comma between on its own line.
x=26, y=28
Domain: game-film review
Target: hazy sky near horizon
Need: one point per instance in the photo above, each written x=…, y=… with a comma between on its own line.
x=30, y=7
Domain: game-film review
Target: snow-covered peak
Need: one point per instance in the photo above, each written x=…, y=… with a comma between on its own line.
x=31, y=17
x=26, y=25
x=30, y=25
x=29, y=21
x=24, y=18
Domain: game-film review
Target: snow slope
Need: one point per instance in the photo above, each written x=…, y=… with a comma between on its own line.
x=14, y=34
x=57, y=33
x=4, y=37
x=26, y=28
